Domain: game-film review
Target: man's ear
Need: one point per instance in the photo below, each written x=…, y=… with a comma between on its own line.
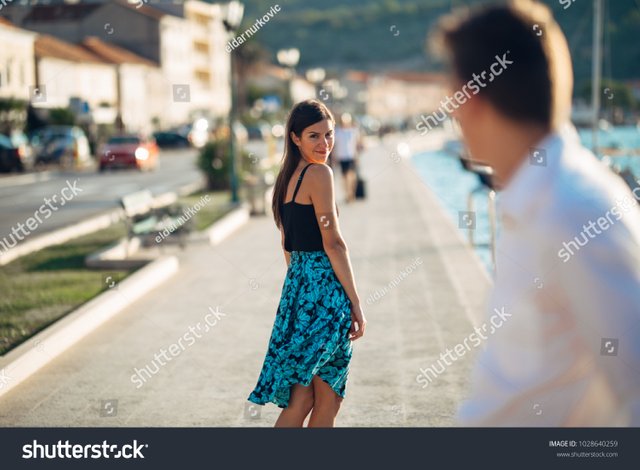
x=474, y=105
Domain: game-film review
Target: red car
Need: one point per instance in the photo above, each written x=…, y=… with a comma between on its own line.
x=129, y=151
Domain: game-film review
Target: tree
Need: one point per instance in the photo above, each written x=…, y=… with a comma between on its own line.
x=247, y=57
x=62, y=117
x=13, y=114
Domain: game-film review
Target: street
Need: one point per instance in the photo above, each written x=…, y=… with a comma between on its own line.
x=96, y=192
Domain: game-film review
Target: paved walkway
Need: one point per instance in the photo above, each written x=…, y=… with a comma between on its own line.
x=207, y=384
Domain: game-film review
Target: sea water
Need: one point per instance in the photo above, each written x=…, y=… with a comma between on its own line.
x=442, y=173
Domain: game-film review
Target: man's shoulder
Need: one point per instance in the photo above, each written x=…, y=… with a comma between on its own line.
x=582, y=180
x=582, y=190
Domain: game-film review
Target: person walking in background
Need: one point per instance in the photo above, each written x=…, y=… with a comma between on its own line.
x=347, y=146
x=567, y=351
x=319, y=315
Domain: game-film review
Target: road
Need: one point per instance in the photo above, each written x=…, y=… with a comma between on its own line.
x=95, y=192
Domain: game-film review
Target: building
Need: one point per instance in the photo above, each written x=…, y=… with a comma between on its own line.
x=211, y=62
x=396, y=96
x=141, y=88
x=66, y=72
x=277, y=80
x=187, y=41
x=17, y=63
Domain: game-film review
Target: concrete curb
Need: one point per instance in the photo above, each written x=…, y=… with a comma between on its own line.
x=21, y=362
x=228, y=224
x=116, y=256
x=474, y=280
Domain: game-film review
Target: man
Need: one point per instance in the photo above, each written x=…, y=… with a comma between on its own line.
x=566, y=351
x=345, y=152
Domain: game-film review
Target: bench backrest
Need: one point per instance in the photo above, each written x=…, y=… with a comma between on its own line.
x=137, y=203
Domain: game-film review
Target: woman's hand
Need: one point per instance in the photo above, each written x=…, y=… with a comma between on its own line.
x=357, y=318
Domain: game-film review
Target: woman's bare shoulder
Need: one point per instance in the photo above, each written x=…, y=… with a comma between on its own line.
x=320, y=173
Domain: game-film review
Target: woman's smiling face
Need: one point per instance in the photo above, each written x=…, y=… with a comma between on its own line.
x=316, y=141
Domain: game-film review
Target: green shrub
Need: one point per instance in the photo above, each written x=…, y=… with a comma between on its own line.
x=62, y=117
x=215, y=162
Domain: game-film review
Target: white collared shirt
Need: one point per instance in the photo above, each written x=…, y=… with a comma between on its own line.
x=568, y=276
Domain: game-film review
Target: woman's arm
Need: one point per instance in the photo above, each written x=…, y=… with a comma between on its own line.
x=323, y=199
x=287, y=255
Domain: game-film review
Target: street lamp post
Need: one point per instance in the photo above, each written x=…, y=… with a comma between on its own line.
x=233, y=18
x=289, y=58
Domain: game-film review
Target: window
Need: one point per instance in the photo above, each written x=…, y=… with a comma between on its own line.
x=201, y=47
x=201, y=19
x=203, y=76
x=119, y=140
x=8, y=74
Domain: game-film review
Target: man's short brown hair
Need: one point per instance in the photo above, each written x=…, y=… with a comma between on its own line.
x=537, y=86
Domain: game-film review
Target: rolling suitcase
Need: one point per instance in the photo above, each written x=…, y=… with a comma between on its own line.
x=360, y=188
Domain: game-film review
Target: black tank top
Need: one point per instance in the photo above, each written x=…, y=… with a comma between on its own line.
x=301, y=231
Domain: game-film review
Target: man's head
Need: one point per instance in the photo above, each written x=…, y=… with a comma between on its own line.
x=514, y=62
x=345, y=120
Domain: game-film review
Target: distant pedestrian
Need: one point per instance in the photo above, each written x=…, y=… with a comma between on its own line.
x=567, y=350
x=319, y=314
x=348, y=142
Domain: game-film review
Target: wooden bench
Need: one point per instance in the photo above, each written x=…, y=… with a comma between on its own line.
x=144, y=219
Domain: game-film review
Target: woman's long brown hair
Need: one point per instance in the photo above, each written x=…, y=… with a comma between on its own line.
x=304, y=114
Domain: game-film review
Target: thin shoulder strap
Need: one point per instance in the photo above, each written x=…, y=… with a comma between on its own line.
x=295, y=191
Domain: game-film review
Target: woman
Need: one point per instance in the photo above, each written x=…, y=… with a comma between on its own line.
x=319, y=315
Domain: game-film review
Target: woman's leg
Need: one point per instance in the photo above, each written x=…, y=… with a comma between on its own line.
x=346, y=181
x=326, y=404
x=300, y=404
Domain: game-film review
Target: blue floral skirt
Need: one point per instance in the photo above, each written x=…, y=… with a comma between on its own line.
x=310, y=334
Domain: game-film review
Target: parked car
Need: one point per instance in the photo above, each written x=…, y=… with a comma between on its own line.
x=13, y=156
x=66, y=146
x=129, y=150
x=171, y=139
x=21, y=141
